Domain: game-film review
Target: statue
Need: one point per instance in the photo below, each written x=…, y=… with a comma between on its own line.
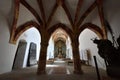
x=110, y=54
x=107, y=51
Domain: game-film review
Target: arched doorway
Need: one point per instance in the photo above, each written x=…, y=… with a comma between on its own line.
x=88, y=49
x=28, y=36
x=58, y=53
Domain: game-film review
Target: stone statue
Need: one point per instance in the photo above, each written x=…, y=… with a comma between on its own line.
x=110, y=54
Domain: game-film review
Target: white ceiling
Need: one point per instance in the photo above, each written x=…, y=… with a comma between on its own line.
x=60, y=15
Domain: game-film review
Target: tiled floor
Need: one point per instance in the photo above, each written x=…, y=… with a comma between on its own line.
x=56, y=71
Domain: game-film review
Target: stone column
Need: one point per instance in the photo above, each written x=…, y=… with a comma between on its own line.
x=42, y=58
x=76, y=56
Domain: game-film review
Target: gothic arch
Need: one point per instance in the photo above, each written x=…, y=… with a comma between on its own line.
x=93, y=28
x=25, y=27
x=59, y=25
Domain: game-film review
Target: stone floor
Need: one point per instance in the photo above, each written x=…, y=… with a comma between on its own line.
x=56, y=71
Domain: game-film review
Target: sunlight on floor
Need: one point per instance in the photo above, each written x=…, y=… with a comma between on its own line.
x=58, y=67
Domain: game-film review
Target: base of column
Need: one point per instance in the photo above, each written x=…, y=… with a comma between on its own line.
x=41, y=72
x=78, y=72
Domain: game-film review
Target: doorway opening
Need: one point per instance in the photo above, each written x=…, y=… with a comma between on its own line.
x=88, y=49
x=28, y=54
x=59, y=53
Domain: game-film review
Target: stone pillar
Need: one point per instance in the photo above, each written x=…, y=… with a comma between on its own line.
x=76, y=56
x=42, y=58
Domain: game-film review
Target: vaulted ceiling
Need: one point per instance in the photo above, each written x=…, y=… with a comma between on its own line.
x=59, y=34
x=48, y=13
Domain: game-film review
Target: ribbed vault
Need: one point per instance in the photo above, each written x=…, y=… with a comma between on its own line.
x=59, y=16
x=72, y=14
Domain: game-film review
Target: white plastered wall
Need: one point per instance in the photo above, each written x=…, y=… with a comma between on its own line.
x=87, y=44
x=50, y=49
x=7, y=50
